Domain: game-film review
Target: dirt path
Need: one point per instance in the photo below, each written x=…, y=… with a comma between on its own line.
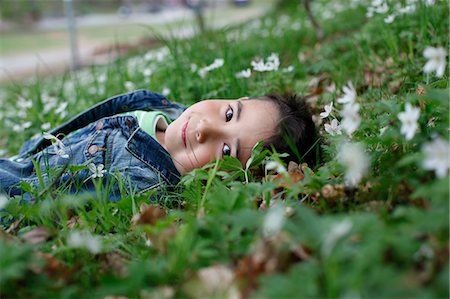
x=38, y=63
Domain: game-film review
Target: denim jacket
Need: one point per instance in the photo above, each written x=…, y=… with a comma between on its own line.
x=99, y=136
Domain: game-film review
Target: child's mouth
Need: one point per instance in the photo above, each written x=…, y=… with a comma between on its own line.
x=183, y=133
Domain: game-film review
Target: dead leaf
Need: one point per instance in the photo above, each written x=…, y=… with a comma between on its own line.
x=333, y=192
x=294, y=175
x=113, y=262
x=159, y=240
x=73, y=220
x=53, y=267
x=5, y=236
x=13, y=228
x=268, y=256
x=212, y=282
x=420, y=90
x=161, y=292
x=394, y=86
x=317, y=85
x=37, y=235
x=149, y=214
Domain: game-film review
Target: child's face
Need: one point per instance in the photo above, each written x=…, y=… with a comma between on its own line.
x=211, y=129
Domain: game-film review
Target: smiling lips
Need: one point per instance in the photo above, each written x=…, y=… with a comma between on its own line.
x=183, y=133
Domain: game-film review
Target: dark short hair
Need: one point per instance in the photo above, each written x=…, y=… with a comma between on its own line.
x=295, y=132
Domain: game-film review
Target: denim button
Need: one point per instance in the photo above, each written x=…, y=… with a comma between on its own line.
x=124, y=108
x=99, y=126
x=129, y=123
x=92, y=149
x=165, y=102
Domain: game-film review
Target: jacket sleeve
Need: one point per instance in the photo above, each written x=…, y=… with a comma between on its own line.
x=136, y=100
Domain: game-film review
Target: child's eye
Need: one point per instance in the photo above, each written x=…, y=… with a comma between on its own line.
x=229, y=114
x=226, y=150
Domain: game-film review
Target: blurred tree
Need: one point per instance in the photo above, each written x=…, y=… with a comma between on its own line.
x=312, y=19
x=307, y=6
x=198, y=7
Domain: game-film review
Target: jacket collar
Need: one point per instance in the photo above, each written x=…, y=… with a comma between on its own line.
x=149, y=151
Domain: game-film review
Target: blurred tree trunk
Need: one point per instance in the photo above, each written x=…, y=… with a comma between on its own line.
x=286, y=4
x=312, y=19
x=200, y=17
x=198, y=7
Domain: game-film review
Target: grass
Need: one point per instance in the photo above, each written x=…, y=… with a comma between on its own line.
x=213, y=237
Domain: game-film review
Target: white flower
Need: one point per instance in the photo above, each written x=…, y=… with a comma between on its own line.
x=408, y=9
x=337, y=232
x=147, y=72
x=333, y=128
x=58, y=146
x=437, y=157
x=61, y=110
x=46, y=126
x=288, y=69
x=383, y=129
x=166, y=91
x=129, y=85
x=22, y=113
x=296, y=26
x=272, y=64
x=389, y=19
x=214, y=280
x=349, y=94
x=274, y=165
x=409, y=121
x=158, y=55
x=244, y=73
x=328, y=109
x=78, y=239
x=24, y=103
x=17, y=128
x=148, y=56
x=377, y=2
x=49, y=102
x=101, y=78
x=26, y=125
x=382, y=8
x=351, y=118
x=217, y=63
x=193, y=67
x=258, y=65
x=436, y=60
x=161, y=54
x=3, y=201
x=355, y=162
x=273, y=222
x=97, y=171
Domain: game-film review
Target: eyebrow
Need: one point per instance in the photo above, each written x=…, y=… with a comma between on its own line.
x=238, y=142
x=239, y=109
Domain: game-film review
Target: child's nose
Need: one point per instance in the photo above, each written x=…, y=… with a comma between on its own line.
x=205, y=130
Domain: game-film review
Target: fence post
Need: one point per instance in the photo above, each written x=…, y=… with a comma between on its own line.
x=68, y=7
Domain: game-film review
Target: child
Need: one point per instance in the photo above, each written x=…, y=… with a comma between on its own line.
x=147, y=142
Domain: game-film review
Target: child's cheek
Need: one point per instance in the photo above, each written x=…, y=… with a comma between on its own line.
x=203, y=155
